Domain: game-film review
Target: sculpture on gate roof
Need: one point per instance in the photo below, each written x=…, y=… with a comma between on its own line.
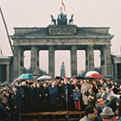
x=53, y=19
x=71, y=19
x=62, y=19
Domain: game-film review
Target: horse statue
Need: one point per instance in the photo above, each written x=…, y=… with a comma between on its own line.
x=71, y=19
x=53, y=20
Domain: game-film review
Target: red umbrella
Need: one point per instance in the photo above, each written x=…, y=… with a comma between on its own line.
x=95, y=75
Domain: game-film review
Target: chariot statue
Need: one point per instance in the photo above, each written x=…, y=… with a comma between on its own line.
x=62, y=19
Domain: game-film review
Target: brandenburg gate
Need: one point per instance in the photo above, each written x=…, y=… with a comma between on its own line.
x=62, y=35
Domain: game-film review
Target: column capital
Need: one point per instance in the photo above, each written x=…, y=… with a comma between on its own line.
x=74, y=47
x=34, y=48
x=16, y=50
x=51, y=48
x=102, y=48
x=89, y=47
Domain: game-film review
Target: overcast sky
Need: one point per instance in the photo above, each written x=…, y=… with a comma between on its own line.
x=36, y=13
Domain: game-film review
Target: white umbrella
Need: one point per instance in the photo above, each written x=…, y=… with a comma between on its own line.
x=44, y=77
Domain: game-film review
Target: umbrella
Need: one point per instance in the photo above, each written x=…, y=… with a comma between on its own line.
x=5, y=83
x=24, y=76
x=90, y=73
x=44, y=77
x=93, y=74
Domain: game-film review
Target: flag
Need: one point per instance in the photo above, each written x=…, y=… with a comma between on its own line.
x=63, y=4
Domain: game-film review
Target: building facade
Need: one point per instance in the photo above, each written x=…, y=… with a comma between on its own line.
x=62, y=36
x=116, y=60
x=5, y=68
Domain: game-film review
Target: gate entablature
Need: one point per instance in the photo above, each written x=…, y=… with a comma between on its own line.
x=54, y=35
x=44, y=31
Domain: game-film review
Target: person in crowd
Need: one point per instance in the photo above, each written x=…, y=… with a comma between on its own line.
x=32, y=94
x=114, y=103
x=61, y=95
x=4, y=109
x=100, y=104
x=90, y=113
x=91, y=94
x=53, y=92
x=44, y=102
x=107, y=114
x=76, y=96
x=19, y=101
x=116, y=107
x=67, y=89
x=84, y=91
x=117, y=116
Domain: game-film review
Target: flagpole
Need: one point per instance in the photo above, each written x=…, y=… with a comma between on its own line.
x=6, y=29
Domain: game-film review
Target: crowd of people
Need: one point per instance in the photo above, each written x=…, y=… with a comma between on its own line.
x=97, y=97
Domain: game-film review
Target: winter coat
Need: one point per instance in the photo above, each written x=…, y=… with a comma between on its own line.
x=76, y=95
x=53, y=92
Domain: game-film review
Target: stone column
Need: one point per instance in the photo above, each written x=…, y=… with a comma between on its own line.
x=89, y=58
x=51, y=61
x=106, y=62
x=102, y=61
x=21, y=61
x=34, y=60
x=116, y=71
x=73, y=61
x=17, y=61
x=7, y=72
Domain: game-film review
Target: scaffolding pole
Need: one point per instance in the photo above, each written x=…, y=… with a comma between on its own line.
x=4, y=22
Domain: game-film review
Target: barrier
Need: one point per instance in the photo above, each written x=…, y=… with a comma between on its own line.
x=54, y=116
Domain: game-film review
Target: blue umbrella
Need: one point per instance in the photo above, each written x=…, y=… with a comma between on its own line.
x=25, y=76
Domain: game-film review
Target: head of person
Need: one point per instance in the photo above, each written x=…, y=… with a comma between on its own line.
x=53, y=84
x=76, y=88
x=107, y=114
x=91, y=112
x=100, y=101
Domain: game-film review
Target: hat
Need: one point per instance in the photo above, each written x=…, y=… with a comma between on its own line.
x=98, y=95
x=107, y=112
